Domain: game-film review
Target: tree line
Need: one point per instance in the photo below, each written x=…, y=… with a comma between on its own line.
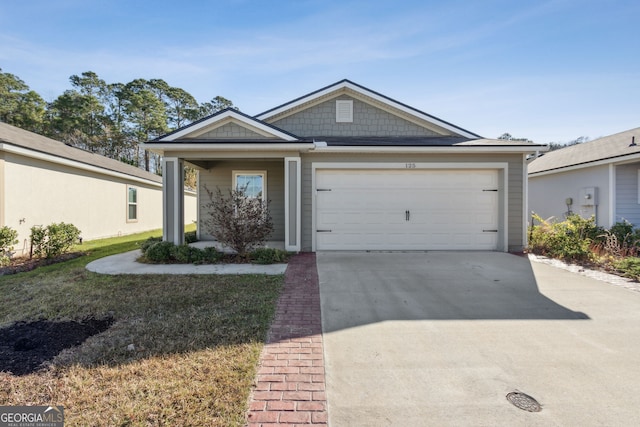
x=110, y=119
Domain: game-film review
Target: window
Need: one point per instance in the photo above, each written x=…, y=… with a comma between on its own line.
x=132, y=204
x=253, y=183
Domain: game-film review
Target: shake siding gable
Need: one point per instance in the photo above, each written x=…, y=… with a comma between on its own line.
x=230, y=131
x=367, y=121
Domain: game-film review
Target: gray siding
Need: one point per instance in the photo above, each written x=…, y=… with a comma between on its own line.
x=515, y=181
x=627, y=207
x=548, y=193
x=230, y=131
x=221, y=175
x=367, y=121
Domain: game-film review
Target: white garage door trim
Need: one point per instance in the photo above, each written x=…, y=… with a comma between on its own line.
x=501, y=167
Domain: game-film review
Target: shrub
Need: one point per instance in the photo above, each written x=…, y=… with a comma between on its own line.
x=53, y=240
x=620, y=241
x=8, y=238
x=239, y=222
x=629, y=267
x=190, y=237
x=569, y=240
x=212, y=255
x=185, y=254
x=144, y=246
x=268, y=256
x=160, y=252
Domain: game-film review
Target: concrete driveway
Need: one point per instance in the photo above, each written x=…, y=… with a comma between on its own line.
x=440, y=339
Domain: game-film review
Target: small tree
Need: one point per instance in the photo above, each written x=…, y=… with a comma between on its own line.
x=237, y=221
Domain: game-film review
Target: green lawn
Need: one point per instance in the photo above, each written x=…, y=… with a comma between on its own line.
x=196, y=342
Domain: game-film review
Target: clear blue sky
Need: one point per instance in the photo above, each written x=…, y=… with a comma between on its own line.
x=545, y=70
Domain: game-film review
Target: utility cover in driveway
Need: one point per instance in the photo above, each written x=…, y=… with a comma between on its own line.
x=407, y=209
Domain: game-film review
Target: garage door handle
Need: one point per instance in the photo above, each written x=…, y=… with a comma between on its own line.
x=323, y=231
x=490, y=231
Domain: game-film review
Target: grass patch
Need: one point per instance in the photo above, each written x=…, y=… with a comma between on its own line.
x=182, y=350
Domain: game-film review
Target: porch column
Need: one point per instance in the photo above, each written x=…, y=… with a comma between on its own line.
x=173, y=200
x=292, y=203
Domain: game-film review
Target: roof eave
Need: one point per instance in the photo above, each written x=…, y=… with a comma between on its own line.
x=426, y=149
x=609, y=160
x=160, y=148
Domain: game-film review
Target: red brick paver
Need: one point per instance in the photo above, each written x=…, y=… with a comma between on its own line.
x=290, y=384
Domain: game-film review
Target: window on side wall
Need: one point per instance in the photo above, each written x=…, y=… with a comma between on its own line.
x=132, y=204
x=253, y=183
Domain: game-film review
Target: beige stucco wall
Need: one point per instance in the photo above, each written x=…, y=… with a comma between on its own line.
x=39, y=192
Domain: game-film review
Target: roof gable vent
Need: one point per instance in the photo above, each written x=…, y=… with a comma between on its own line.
x=344, y=111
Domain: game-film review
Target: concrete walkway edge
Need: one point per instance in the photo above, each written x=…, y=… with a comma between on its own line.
x=125, y=263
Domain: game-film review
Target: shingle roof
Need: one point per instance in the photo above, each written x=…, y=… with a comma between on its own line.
x=220, y=113
x=32, y=141
x=612, y=148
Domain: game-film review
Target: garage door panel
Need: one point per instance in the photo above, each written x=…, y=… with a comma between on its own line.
x=418, y=209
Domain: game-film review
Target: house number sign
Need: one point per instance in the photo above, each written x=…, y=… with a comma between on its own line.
x=410, y=165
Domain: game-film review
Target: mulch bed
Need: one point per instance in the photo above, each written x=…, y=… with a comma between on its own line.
x=26, y=346
x=22, y=264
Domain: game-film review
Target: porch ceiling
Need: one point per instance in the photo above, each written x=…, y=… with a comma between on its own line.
x=211, y=163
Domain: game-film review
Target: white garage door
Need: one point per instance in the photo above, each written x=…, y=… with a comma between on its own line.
x=407, y=209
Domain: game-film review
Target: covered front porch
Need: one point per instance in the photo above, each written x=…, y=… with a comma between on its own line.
x=273, y=176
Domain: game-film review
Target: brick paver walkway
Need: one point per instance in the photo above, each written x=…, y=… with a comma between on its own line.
x=290, y=385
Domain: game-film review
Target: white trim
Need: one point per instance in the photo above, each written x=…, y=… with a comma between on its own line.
x=500, y=166
x=298, y=244
x=9, y=148
x=188, y=130
x=375, y=96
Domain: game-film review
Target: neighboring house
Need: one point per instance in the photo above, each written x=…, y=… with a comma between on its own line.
x=346, y=168
x=43, y=181
x=597, y=178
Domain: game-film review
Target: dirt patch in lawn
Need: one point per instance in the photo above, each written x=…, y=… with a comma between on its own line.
x=26, y=346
